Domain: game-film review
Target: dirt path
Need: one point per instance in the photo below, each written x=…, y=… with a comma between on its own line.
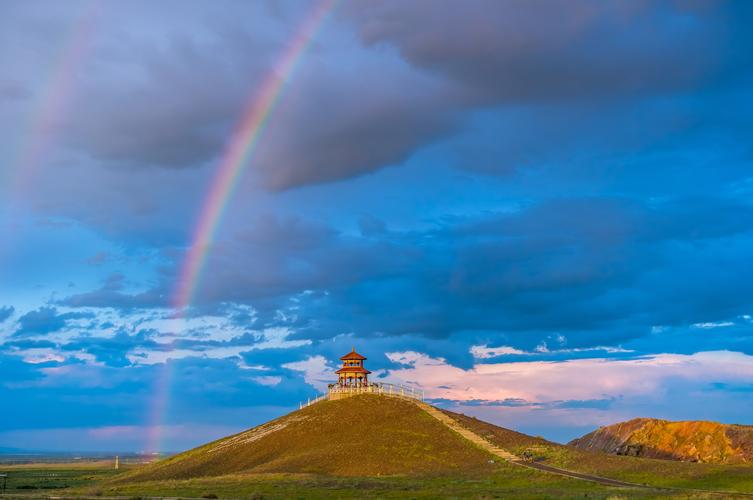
x=509, y=457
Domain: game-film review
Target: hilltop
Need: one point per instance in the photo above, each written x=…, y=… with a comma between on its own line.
x=695, y=441
x=364, y=435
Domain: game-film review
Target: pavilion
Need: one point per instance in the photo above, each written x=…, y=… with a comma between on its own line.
x=352, y=373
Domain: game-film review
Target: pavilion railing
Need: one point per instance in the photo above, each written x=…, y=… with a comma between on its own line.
x=384, y=389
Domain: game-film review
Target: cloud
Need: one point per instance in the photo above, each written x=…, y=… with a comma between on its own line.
x=370, y=124
x=508, y=51
x=483, y=352
x=269, y=380
x=316, y=371
x=587, y=379
x=599, y=270
x=6, y=312
x=46, y=320
x=113, y=294
x=546, y=189
x=565, y=399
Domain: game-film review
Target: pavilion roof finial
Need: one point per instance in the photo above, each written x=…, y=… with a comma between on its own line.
x=353, y=355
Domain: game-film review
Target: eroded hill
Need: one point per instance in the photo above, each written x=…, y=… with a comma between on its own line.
x=695, y=441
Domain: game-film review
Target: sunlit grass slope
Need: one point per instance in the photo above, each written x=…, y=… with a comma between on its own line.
x=654, y=472
x=360, y=436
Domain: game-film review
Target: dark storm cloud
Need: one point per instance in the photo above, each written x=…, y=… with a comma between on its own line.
x=351, y=128
x=46, y=320
x=600, y=270
x=171, y=98
x=550, y=78
x=112, y=351
x=177, y=115
x=616, y=221
x=328, y=126
x=112, y=294
x=173, y=103
x=544, y=50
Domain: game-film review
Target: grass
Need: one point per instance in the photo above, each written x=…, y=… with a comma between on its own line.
x=365, y=435
x=371, y=447
x=47, y=477
x=664, y=473
x=505, y=482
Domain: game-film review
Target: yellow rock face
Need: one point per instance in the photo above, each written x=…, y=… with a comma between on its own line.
x=697, y=441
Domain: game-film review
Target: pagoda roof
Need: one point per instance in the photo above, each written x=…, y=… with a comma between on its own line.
x=353, y=369
x=353, y=355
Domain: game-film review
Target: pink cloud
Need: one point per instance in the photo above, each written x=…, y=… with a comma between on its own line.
x=579, y=379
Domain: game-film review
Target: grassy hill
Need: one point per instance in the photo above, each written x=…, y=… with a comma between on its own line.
x=359, y=436
x=695, y=441
x=378, y=447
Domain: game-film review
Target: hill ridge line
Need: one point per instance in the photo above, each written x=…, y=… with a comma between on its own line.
x=456, y=426
x=495, y=450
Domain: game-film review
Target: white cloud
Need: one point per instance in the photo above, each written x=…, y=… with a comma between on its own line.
x=266, y=339
x=316, y=371
x=37, y=355
x=268, y=380
x=578, y=379
x=709, y=325
x=486, y=352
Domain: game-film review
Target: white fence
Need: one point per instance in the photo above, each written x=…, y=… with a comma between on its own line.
x=383, y=389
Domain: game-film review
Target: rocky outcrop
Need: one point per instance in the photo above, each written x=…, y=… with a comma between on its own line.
x=693, y=441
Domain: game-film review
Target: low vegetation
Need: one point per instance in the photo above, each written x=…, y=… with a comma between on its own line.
x=365, y=435
x=664, y=473
x=376, y=447
x=41, y=478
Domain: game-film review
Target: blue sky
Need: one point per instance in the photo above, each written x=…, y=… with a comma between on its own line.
x=539, y=212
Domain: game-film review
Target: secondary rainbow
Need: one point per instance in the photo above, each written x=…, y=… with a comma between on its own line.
x=238, y=151
x=54, y=99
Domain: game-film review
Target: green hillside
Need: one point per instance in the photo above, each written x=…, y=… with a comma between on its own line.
x=381, y=447
x=360, y=436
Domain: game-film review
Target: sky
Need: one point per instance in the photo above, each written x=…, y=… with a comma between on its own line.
x=537, y=212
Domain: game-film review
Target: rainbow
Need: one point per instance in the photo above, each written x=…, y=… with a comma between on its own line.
x=240, y=147
x=54, y=98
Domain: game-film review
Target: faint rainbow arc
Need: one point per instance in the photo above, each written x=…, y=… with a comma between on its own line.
x=241, y=146
x=55, y=97
x=238, y=151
